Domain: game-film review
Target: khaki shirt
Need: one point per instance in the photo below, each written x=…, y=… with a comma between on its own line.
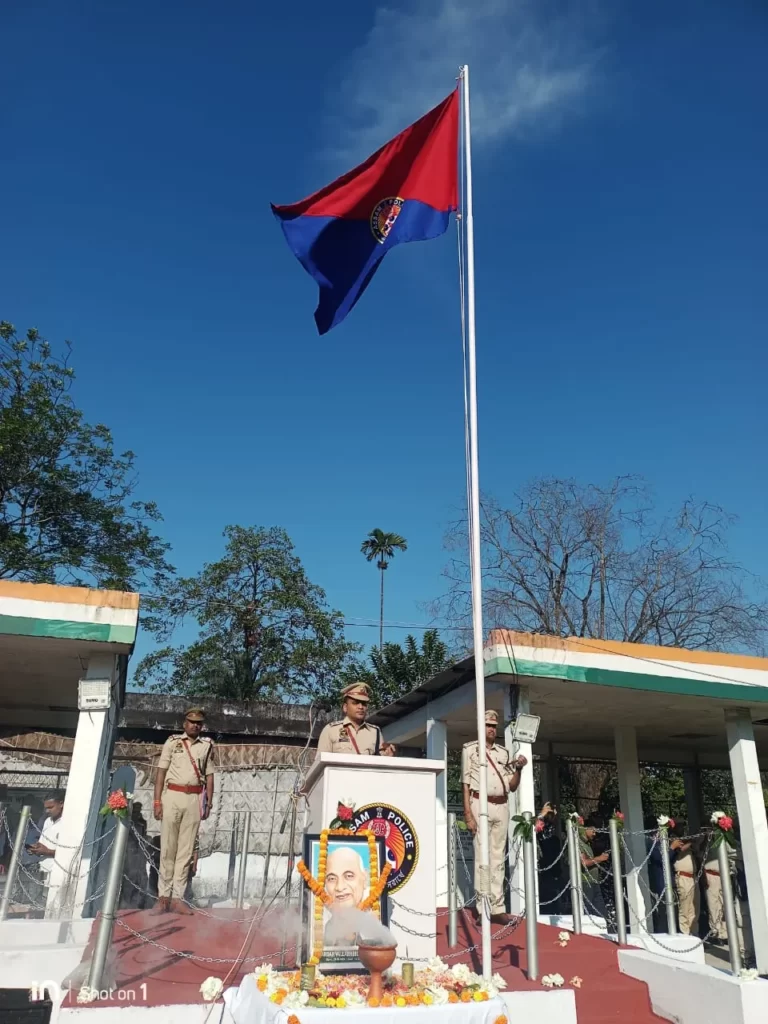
x=335, y=738
x=470, y=768
x=175, y=760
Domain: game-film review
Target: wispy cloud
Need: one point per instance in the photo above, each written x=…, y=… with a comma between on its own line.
x=529, y=66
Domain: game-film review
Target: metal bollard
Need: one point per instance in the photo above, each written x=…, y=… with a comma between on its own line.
x=452, y=914
x=109, y=903
x=669, y=892
x=268, y=856
x=574, y=863
x=726, y=889
x=531, y=903
x=289, y=875
x=618, y=886
x=13, y=866
x=232, y=855
x=243, y=860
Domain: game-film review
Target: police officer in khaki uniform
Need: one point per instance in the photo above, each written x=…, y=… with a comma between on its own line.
x=353, y=735
x=183, y=797
x=503, y=778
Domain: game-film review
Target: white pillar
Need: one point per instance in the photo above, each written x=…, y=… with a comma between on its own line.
x=752, y=824
x=437, y=748
x=632, y=807
x=522, y=800
x=86, y=790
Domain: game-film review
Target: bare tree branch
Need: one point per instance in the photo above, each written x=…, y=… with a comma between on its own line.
x=594, y=561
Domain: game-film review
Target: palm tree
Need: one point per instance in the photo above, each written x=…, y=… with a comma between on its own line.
x=382, y=546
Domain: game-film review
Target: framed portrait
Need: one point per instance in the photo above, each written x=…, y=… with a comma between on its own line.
x=348, y=868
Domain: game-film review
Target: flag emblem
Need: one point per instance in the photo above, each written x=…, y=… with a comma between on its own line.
x=384, y=216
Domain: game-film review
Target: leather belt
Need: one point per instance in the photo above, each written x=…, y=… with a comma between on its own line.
x=185, y=789
x=491, y=799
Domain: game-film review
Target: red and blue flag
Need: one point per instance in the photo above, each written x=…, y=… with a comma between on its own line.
x=405, y=192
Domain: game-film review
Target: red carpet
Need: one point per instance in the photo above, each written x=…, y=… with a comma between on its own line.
x=605, y=996
x=173, y=955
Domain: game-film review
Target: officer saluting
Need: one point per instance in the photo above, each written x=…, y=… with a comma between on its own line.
x=183, y=797
x=353, y=735
x=503, y=778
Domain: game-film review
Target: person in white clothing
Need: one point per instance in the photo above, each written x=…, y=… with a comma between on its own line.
x=45, y=847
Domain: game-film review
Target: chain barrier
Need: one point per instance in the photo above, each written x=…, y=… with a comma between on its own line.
x=146, y=847
x=33, y=825
x=202, y=912
x=34, y=880
x=594, y=914
x=148, y=850
x=641, y=925
x=628, y=853
x=264, y=957
x=261, y=958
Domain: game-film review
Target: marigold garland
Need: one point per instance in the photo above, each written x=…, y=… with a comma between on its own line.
x=373, y=898
x=317, y=885
x=314, y=886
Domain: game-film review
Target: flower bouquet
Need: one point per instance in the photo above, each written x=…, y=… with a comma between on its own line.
x=117, y=804
x=345, y=811
x=723, y=831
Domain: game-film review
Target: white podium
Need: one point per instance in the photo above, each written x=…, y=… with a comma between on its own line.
x=394, y=798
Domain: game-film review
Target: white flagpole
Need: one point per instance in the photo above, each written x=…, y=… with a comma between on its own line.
x=474, y=539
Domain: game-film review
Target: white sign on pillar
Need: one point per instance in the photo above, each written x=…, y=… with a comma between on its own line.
x=437, y=750
x=522, y=800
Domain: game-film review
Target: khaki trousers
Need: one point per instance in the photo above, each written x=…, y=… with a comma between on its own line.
x=687, y=903
x=181, y=822
x=715, y=906
x=498, y=827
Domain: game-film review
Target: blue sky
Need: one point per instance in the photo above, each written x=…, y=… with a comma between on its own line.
x=621, y=219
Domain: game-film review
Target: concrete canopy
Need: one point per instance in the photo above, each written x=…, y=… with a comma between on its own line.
x=584, y=689
x=48, y=636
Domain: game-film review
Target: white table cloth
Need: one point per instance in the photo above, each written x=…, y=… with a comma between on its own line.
x=249, y=1006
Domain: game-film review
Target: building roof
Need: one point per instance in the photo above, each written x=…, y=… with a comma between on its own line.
x=69, y=613
x=583, y=689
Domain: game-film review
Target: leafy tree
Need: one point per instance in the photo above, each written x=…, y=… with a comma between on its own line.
x=382, y=547
x=394, y=670
x=66, y=508
x=264, y=629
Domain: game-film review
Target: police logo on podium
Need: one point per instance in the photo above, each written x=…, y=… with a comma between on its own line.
x=399, y=835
